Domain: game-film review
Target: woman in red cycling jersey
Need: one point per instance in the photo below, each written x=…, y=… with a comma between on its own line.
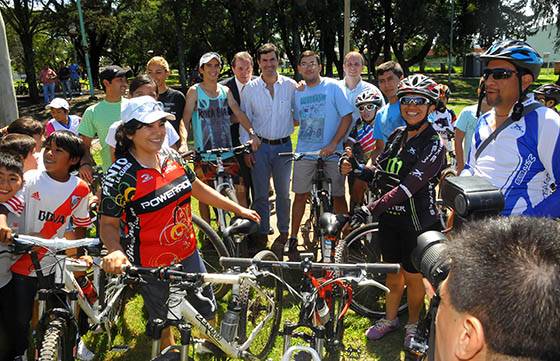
x=149, y=189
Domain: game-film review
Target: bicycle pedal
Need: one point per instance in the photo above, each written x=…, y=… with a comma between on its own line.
x=120, y=348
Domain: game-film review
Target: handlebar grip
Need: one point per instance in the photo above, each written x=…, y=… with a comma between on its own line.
x=381, y=267
x=285, y=154
x=235, y=261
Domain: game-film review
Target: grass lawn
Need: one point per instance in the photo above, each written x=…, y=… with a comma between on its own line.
x=132, y=328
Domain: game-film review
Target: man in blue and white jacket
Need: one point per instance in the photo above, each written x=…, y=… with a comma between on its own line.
x=516, y=145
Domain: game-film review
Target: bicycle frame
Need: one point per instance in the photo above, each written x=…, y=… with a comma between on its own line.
x=181, y=309
x=321, y=201
x=223, y=182
x=66, y=282
x=311, y=291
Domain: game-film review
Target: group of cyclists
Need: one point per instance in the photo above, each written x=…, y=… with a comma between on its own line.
x=395, y=135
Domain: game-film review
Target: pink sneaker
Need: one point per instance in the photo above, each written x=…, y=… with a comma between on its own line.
x=382, y=327
x=409, y=333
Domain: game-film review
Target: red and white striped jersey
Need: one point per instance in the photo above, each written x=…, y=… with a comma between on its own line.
x=49, y=205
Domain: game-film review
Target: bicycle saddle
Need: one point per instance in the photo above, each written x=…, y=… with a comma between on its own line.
x=241, y=227
x=331, y=224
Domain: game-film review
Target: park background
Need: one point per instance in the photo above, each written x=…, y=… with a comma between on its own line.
x=423, y=36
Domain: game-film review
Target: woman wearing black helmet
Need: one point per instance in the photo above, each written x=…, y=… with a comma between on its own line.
x=414, y=156
x=548, y=95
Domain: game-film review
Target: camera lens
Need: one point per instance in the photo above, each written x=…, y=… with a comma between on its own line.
x=429, y=257
x=461, y=205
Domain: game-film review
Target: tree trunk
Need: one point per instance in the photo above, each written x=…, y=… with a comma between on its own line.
x=180, y=45
x=29, y=65
x=388, y=29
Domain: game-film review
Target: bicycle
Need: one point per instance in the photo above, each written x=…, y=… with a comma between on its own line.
x=361, y=245
x=324, y=301
x=321, y=202
x=223, y=181
x=239, y=333
x=58, y=334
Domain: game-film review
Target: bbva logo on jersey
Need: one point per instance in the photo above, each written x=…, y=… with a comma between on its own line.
x=46, y=216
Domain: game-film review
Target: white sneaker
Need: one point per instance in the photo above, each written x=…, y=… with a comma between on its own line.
x=83, y=353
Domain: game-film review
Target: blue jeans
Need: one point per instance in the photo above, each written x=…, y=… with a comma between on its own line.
x=67, y=88
x=48, y=92
x=267, y=163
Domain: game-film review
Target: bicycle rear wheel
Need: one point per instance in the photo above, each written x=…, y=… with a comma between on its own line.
x=256, y=307
x=362, y=246
x=211, y=248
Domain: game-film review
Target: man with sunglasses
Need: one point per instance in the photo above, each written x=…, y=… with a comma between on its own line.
x=516, y=145
x=407, y=173
x=324, y=116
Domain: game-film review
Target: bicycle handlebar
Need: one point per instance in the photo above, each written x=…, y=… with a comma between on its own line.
x=368, y=267
x=173, y=274
x=55, y=244
x=299, y=155
x=219, y=151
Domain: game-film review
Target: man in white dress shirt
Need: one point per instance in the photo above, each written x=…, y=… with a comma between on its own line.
x=267, y=102
x=352, y=84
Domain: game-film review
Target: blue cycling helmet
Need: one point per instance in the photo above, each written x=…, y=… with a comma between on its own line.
x=517, y=52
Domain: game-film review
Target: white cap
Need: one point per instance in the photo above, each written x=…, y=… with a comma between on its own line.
x=209, y=56
x=58, y=103
x=145, y=109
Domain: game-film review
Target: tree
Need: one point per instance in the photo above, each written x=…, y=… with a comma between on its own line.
x=26, y=20
x=547, y=12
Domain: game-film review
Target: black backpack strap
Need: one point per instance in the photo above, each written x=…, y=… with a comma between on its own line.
x=529, y=108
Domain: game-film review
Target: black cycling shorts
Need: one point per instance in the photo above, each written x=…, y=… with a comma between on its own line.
x=398, y=240
x=155, y=293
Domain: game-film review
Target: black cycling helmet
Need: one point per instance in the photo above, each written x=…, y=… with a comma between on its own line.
x=419, y=84
x=368, y=96
x=523, y=57
x=549, y=91
x=517, y=52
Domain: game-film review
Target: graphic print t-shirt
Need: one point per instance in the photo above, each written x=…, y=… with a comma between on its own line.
x=211, y=122
x=319, y=111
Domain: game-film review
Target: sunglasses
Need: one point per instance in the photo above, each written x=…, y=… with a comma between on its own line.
x=414, y=100
x=498, y=73
x=542, y=100
x=368, y=107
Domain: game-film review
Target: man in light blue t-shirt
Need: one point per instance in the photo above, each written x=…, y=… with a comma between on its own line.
x=388, y=118
x=464, y=130
x=324, y=115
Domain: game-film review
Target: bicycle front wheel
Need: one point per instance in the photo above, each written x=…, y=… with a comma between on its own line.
x=211, y=248
x=261, y=309
x=56, y=345
x=362, y=246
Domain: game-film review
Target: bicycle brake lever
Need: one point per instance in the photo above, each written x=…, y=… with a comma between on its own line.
x=369, y=282
x=198, y=293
